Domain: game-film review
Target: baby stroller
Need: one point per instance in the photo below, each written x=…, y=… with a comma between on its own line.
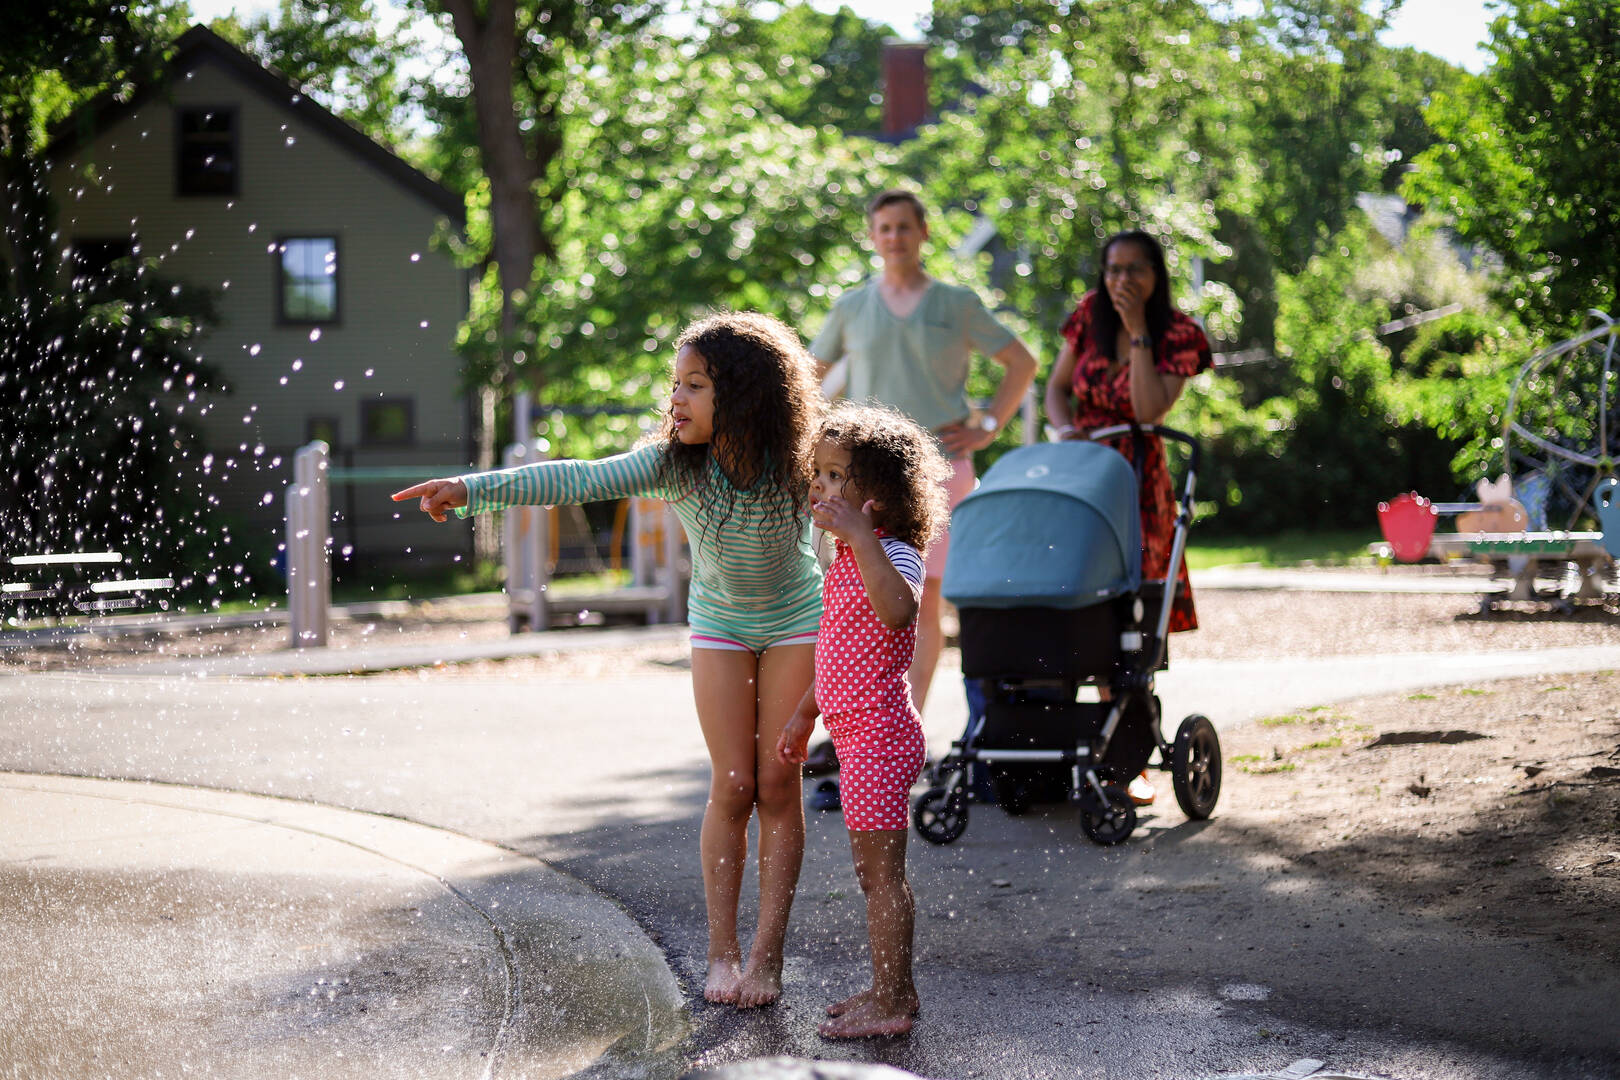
x=1045, y=572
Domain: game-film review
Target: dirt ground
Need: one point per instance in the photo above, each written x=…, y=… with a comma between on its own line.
x=1496, y=805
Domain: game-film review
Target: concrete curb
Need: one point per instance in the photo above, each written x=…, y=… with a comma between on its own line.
x=439, y=955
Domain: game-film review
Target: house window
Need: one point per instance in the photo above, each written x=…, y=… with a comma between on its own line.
x=388, y=422
x=324, y=428
x=206, y=151
x=92, y=260
x=307, y=279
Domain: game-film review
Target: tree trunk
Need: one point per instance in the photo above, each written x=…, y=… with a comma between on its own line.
x=490, y=44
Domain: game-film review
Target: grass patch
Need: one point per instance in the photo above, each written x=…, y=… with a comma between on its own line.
x=1469, y=691
x=1281, y=721
x=1269, y=767
x=1419, y=697
x=1294, y=547
x=1239, y=759
x=1330, y=743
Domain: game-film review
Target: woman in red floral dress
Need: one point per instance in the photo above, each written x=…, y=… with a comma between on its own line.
x=1127, y=353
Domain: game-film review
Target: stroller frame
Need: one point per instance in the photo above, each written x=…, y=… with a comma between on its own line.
x=1080, y=735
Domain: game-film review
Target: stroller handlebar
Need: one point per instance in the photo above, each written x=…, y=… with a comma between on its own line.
x=1116, y=430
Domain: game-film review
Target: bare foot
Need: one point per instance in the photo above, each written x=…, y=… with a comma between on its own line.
x=725, y=975
x=839, y=1008
x=761, y=984
x=869, y=1020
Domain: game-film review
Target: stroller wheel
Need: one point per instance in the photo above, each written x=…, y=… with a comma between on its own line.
x=941, y=814
x=1109, y=824
x=1195, y=767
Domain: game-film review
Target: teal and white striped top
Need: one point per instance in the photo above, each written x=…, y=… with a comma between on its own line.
x=756, y=560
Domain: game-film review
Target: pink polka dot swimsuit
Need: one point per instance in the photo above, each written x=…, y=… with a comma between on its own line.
x=863, y=694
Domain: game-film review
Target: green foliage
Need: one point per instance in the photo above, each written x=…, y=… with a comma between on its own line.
x=1069, y=128
x=1525, y=164
x=338, y=53
x=678, y=199
x=1348, y=416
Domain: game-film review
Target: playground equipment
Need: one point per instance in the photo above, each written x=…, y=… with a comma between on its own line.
x=1560, y=441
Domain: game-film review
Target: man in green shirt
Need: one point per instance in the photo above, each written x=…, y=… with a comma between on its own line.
x=907, y=340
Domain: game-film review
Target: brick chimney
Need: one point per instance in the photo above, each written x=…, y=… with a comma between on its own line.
x=905, y=88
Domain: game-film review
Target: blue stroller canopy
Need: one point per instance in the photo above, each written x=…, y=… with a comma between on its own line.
x=1050, y=525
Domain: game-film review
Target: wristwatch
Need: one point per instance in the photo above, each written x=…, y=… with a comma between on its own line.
x=989, y=423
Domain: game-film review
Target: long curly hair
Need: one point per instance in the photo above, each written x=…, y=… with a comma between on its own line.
x=893, y=461
x=1105, y=320
x=765, y=402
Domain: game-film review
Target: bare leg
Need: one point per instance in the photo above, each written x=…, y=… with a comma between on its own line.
x=723, y=687
x=888, y=1007
x=785, y=674
x=929, y=641
x=1140, y=789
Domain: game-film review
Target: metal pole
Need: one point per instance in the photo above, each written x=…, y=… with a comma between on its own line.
x=309, y=540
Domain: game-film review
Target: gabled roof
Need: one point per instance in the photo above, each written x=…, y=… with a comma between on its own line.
x=200, y=44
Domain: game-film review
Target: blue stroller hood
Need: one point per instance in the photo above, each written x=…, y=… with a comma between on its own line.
x=1051, y=525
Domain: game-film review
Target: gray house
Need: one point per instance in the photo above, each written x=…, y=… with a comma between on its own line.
x=337, y=308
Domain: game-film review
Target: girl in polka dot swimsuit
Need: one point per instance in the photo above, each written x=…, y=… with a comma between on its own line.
x=876, y=488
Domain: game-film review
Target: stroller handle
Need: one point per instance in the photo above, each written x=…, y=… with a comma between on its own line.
x=1114, y=430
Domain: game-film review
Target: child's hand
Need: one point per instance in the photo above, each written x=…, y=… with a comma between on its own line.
x=793, y=745
x=437, y=496
x=840, y=518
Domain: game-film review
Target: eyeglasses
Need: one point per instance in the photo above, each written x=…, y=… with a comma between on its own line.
x=1114, y=270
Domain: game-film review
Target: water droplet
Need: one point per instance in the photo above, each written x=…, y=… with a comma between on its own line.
x=253, y=350
x=315, y=334
x=298, y=365
x=423, y=324
x=416, y=256
x=338, y=385
x=291, y=140
x=369, y=371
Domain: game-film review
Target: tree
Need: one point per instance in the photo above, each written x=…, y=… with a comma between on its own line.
x=1528, y=164
x=1076, y=124
x=96, y=365
x=336, y=51
x=686, y=189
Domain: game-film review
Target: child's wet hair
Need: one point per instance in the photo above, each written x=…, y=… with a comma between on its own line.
x=765, y=402
x=895, y=462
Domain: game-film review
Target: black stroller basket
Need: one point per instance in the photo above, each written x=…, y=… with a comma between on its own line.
x=1045, y=573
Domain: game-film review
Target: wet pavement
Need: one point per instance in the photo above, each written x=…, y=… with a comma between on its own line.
x=157, y=930
x=313, y=928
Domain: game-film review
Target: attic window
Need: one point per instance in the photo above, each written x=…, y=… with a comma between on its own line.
x=308, y=279
x=206, y=151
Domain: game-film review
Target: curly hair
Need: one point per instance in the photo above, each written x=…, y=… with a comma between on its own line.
x=893, y=461
x=765, y=401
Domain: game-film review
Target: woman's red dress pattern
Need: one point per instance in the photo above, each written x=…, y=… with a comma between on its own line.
x=1102, y=399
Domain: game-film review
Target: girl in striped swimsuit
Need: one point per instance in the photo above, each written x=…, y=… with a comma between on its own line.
x=731, y=461
x=877, y=488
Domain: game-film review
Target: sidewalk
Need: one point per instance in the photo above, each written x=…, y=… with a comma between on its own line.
x=172, y=931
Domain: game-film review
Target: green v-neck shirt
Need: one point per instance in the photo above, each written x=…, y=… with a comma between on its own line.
x=918, y=364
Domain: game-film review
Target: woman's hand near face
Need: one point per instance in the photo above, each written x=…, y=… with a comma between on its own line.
x=1130, y=297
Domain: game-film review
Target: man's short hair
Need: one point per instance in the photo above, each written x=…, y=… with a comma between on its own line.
x=897, y=195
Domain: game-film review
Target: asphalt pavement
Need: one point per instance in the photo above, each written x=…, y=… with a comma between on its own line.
x=401, y=876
